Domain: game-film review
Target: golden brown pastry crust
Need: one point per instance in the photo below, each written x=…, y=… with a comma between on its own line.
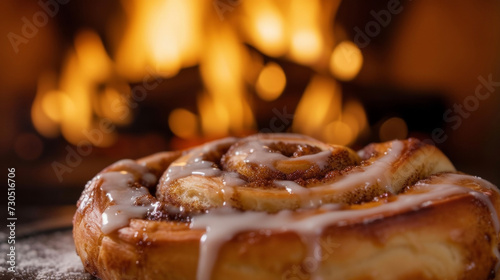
x=453, y=237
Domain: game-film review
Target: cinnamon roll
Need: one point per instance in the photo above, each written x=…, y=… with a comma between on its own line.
x=286, y=206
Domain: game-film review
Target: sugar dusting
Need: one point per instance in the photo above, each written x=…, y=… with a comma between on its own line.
x=45, y=256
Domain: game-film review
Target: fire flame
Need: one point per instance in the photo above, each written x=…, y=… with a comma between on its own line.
x=164, y=36
x=160, y=35
x=69, y=105
x=265, y=28
x=320, y=113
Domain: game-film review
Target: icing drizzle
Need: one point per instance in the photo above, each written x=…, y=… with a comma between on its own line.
x=223, y=224
x=118, y=188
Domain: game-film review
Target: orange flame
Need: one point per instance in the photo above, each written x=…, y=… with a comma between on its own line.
x=265, y=27
x=306, y=43
x=164, y=36
x=69, y=105
x=320, y=114
x=160, y=35
x=222, y=72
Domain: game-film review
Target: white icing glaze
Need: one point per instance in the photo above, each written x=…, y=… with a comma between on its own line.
x=232, y=179
x=259, y=153
x=376, y=173
x=194, y=163
x=292, y=187
x=181, y=170
x=118, y=188
x=362, y=177
x=321, y=158
x=223, y=224
x=456, y=178
x=485, y=200
x=304, y=194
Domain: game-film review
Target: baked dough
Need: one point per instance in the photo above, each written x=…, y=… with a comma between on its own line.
x=286, y=206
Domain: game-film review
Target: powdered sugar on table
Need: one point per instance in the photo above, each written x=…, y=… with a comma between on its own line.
x=44, y=256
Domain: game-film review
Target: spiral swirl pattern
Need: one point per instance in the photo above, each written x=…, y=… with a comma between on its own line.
x=208, y=205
